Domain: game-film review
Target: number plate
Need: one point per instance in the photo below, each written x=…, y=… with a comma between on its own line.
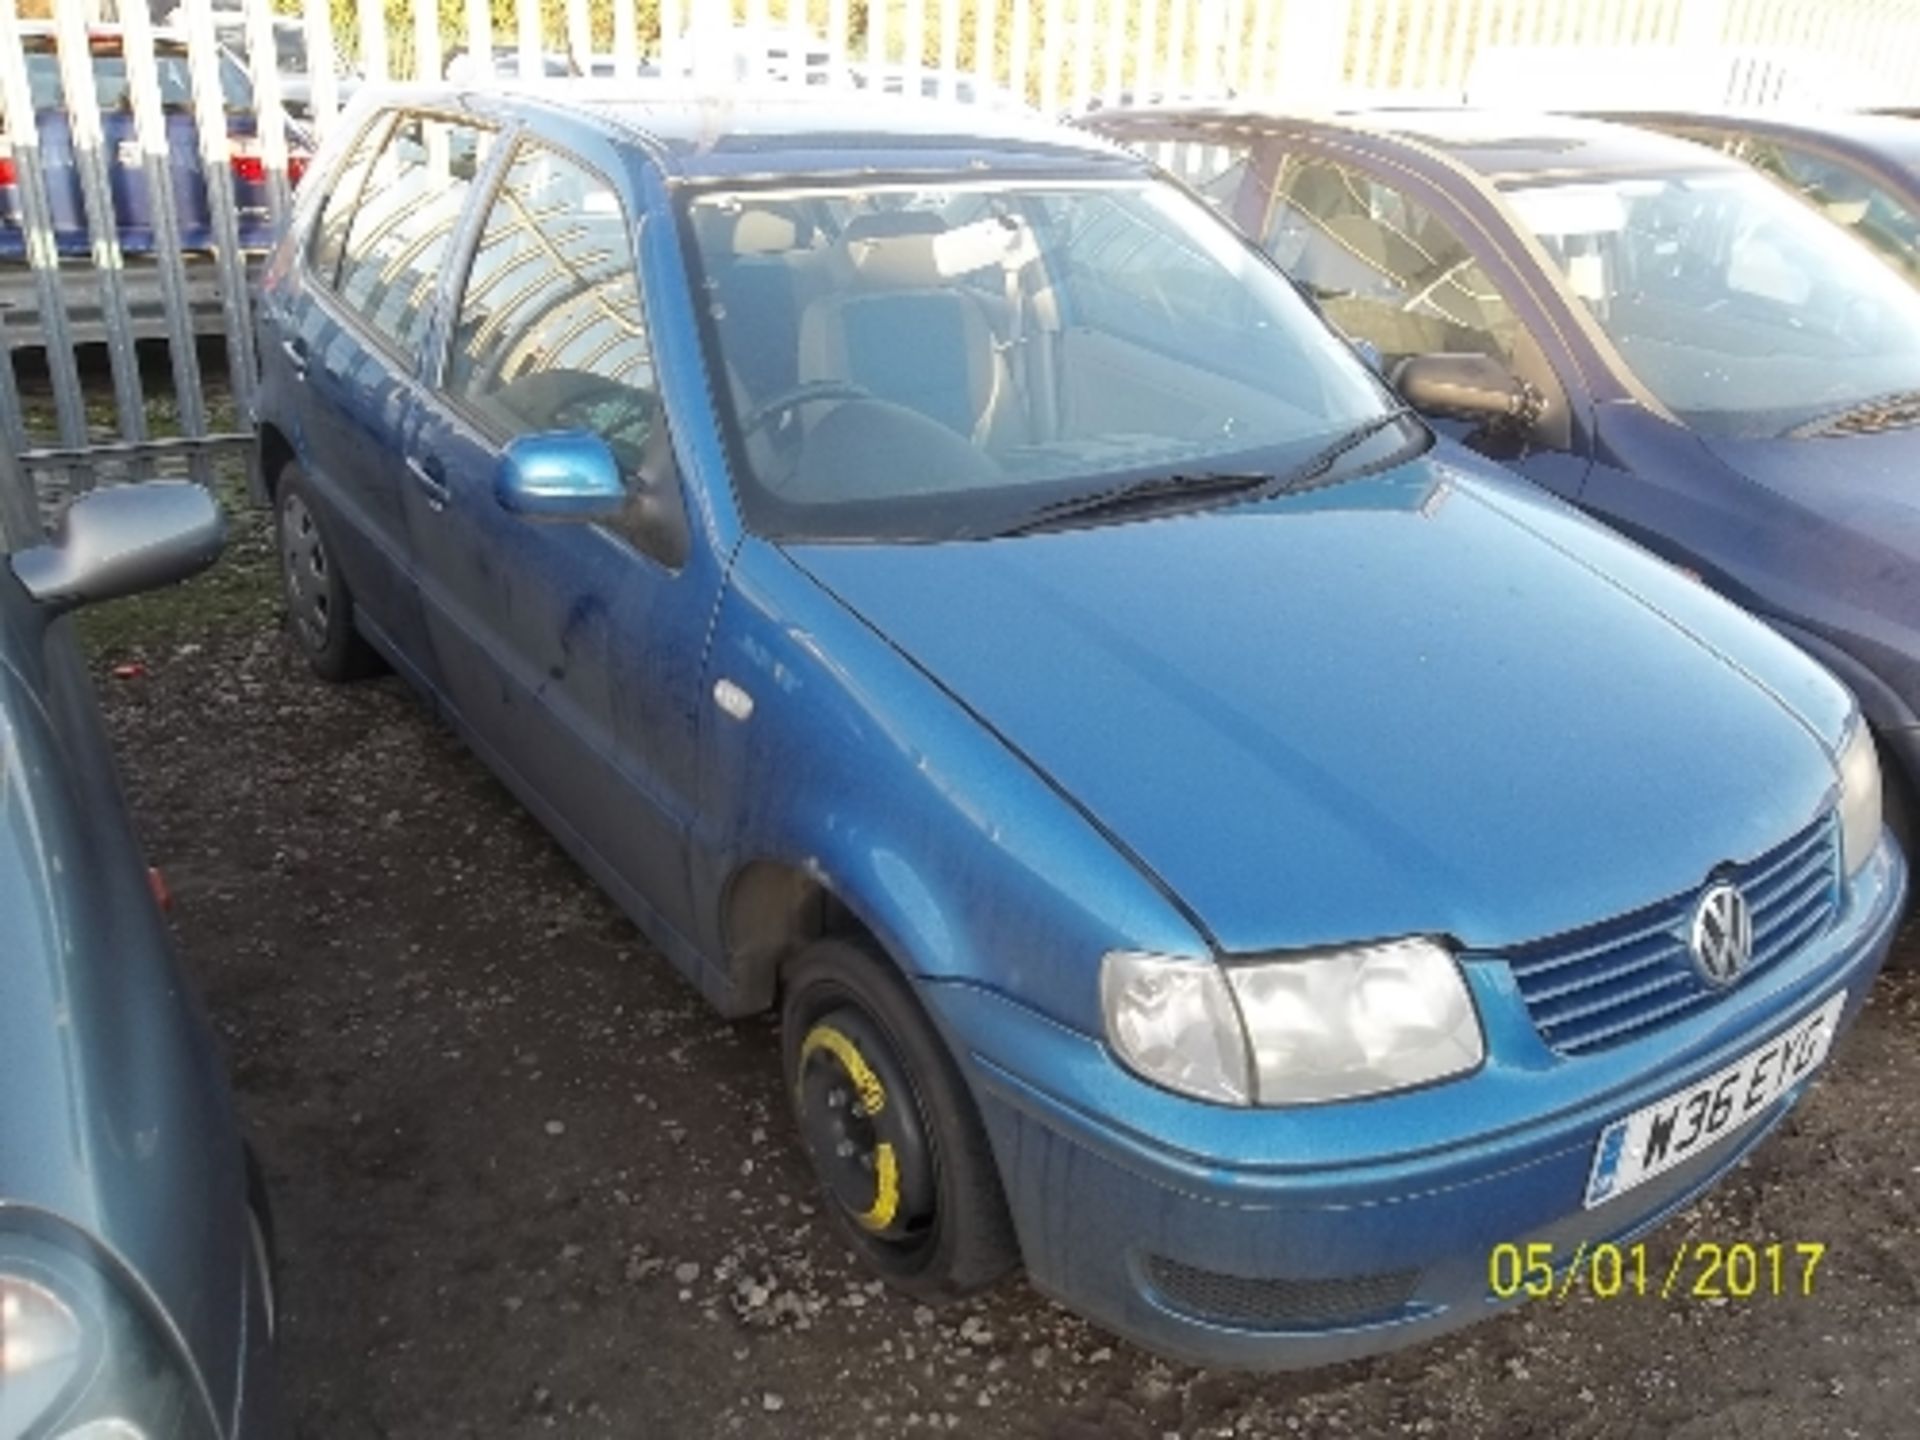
x=1661, y=1135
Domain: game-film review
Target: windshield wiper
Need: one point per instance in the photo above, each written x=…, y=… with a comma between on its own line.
x=1153, y=490
x=1140, y=494
x=1318, y=466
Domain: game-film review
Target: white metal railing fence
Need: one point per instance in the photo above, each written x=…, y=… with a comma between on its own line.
x=1058, y=55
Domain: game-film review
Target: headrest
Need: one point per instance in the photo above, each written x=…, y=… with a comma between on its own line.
x=762, y=232
x=922, y=259
x=902, y=262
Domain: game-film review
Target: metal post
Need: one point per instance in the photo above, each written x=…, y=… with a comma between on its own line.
x=373, y=41
x=532, y=63
x=150, y=125
x=1146, y=68
x=1313, y=42
x=103, y=228
x=579, y=37
x=837, y=18
x=626, y=41
x=1083, y=48
x=1021, y=74
x=210, y=119
x=916, y=42
x=322, y=66
x=16, y=97
x=949, y=45
x=1051, y=25
x=269, y=113
x=19, y=505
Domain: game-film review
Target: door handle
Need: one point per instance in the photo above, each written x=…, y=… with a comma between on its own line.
x=295, y=349
x=426, y=475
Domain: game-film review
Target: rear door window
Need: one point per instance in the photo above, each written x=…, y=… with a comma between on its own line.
x=398, y=232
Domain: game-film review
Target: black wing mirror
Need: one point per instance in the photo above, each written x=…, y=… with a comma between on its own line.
x=1475, y=388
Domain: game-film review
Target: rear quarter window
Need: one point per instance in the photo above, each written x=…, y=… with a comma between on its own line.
x=329, y=238
x=397, y=229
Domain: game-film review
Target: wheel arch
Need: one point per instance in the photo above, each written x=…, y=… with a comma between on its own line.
x=275, y=452
x=770, y=910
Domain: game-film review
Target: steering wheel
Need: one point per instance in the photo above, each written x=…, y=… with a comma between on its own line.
x=618, y=414
x=811, y=392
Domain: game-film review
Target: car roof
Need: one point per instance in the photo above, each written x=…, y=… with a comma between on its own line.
x=1501, y=146
x=1894, y=138
x=788, y=131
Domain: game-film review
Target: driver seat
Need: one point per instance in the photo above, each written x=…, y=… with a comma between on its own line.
x=900, y=329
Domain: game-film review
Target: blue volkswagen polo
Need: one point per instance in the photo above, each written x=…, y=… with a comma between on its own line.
x=1208, y=839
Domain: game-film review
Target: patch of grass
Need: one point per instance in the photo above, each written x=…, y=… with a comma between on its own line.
x=240, y=591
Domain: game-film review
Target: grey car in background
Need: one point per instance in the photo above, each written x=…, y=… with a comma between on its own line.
x=135, y=1298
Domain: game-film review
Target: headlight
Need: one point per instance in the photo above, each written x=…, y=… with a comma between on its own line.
x=1859, y=797
x=1174, y=1022
x=79, y=1360
x=1332, y=1025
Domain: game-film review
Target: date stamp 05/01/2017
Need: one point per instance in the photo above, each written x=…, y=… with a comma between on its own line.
x=1694, y=1270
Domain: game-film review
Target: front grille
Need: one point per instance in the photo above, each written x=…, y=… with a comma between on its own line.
x=1256, y=1304
x=1610, y=983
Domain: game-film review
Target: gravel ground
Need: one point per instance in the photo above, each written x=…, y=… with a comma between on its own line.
x=527, y=1184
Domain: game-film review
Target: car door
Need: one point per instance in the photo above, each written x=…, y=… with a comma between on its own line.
x=571, y=653
x=1391, y=261
x=358, y=336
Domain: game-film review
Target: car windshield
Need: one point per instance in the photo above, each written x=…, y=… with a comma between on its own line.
x=1742, y=309
x=911, y=362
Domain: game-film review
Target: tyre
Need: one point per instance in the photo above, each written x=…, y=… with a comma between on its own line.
x=1896, y=800
x=319, y=604
x=889, y=1125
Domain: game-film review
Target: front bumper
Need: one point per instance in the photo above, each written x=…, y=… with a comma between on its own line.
x=1281, y=1239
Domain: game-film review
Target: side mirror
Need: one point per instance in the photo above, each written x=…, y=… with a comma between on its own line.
x=1465, y=387
x=560, y=475
x=123, y=540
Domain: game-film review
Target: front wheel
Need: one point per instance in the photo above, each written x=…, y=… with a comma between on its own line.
x=890, y=1126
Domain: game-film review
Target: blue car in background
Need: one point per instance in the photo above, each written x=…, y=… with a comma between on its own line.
x=1207, y=838
x=127, y=177
x=136, y=1287
x=1641, y=326
x=133, y=211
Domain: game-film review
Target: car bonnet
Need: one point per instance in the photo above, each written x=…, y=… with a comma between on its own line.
x=1430, y=701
